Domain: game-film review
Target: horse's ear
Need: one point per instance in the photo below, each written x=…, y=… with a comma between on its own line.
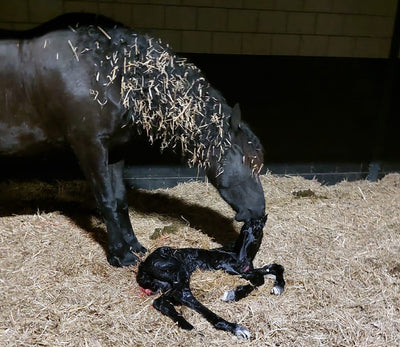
x=235, y=117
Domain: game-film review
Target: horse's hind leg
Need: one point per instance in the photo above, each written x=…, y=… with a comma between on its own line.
x=119, y=189
x=165, y=306
x=185, y=297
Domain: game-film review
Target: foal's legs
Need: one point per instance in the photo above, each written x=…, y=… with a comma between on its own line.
x=184, y=296
x=165, y=306
x=256, y=277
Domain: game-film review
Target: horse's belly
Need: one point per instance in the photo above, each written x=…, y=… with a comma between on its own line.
x=22, y=129
x=24, y=139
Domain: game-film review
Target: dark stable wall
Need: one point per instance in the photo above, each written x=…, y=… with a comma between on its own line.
x=309, y=109
x=303, y=110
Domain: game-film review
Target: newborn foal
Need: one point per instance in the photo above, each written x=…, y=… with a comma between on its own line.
x=168, y=270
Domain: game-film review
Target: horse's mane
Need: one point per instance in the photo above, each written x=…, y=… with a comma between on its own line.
x=166, y=96
x=252, y=149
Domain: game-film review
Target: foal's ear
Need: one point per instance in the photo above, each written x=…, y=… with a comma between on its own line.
x=235, y=117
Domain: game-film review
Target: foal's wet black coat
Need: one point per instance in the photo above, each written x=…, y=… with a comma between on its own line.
x=63, y=87
x=168, y=271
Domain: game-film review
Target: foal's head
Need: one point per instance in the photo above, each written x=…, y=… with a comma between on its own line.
x=249, y=242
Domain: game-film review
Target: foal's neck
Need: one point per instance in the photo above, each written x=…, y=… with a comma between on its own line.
x=248, y=242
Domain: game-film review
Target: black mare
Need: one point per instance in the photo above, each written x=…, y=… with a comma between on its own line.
x=168, y=271
x=88, y=85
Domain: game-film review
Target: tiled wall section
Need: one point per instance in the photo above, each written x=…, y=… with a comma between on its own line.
x=345, y=28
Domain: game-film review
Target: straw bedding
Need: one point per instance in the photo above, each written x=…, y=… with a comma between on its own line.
x=340, y=246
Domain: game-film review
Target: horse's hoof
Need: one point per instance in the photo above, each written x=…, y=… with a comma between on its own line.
x=126, y=259
x=242, y=332
x=139, y=249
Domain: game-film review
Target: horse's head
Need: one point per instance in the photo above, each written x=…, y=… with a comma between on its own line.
x=236, y=177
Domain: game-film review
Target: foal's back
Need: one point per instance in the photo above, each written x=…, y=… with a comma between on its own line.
x=166, y=267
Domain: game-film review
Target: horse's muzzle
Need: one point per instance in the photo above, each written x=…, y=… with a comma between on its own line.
x=248, y=214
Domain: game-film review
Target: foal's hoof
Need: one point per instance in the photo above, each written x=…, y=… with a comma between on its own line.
x=277, y=290
x=125, y=259
x=242, y=332
x=229, y=295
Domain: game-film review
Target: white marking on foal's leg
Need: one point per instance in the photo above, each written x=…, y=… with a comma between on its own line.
x=277, y=290
x=229, y=295
x=242, y=332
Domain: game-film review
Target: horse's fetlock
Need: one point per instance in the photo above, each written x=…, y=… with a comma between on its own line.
x=115, y=246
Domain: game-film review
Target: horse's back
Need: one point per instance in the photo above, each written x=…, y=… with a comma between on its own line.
x=65, y=21
x=46, y=86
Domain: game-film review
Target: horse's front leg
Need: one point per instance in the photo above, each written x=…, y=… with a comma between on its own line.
x=93, y=159
x=119, y=190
